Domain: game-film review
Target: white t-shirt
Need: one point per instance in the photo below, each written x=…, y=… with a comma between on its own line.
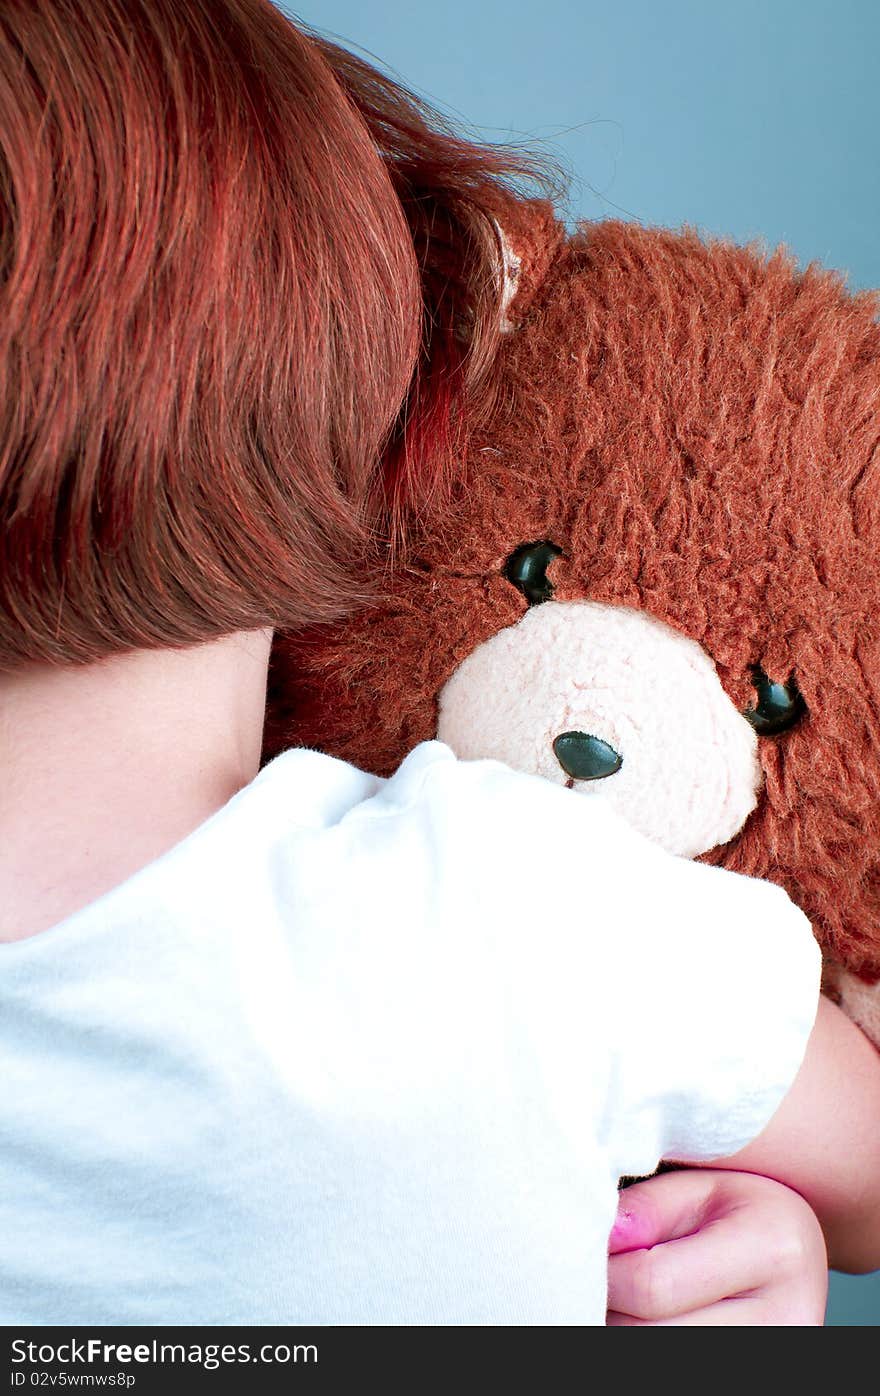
x=362, y=1051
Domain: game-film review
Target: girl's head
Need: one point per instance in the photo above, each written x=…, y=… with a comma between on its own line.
x=244, y=280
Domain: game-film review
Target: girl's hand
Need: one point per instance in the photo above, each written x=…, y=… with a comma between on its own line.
x=707, y=1247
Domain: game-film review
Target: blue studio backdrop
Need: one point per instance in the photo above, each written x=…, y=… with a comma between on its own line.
x=753, y=120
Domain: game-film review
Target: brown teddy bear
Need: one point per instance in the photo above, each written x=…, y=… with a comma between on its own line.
x=658, y=582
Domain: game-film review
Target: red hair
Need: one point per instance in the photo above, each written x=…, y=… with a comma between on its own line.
x=244, y=280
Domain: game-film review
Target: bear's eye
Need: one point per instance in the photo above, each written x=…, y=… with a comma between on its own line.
x=779, y=705
x=526, y=569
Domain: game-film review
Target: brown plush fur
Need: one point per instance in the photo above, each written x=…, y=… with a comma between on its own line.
x=697, y=426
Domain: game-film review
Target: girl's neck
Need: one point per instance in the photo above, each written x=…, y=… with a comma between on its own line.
x=105, y=767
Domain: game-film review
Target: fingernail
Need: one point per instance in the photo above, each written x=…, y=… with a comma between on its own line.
x=623, y=1226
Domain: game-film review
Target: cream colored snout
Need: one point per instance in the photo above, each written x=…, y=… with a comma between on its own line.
x=689, y=773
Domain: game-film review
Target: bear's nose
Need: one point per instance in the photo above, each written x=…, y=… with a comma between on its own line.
x=584, y=757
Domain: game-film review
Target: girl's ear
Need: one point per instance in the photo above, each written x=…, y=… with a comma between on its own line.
x=529, y=236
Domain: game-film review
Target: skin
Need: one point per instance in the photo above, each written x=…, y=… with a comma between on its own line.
x=824, y=1140
x=108, y=766
x=727, y=1245
x=721, y=1249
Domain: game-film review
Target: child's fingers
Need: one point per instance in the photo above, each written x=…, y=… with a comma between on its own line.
x=681, y=1275
x=730, y=1313
x=745, y=1312
x=662, y=1208
x=713, y=1237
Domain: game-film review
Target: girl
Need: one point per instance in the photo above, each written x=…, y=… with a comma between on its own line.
x=308, y=1046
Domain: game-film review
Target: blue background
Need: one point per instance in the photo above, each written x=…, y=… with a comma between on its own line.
x=754, y=119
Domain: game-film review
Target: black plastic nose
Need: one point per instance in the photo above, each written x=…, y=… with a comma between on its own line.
x=584, y=757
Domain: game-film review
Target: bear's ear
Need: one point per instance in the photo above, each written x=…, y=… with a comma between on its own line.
x=529, y=236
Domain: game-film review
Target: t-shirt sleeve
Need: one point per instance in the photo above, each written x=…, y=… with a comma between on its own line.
x=676, y=998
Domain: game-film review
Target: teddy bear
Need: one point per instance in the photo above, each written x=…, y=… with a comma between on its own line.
x=657, y=580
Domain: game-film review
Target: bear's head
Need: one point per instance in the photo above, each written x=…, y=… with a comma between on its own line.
x=659, y=578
